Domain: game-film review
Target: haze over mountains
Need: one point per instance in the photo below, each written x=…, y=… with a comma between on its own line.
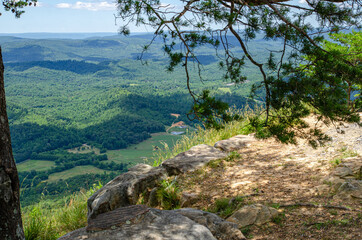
x=46, y=35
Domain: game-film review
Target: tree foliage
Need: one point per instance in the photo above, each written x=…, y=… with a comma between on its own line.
x=16, y=6
x=344, y=70
x=290, y=92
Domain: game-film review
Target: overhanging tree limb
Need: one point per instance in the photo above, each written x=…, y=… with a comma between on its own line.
x=287, y=87
x=15, y=6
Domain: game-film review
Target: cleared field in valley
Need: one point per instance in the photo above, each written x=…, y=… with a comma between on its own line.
x=38, y=165
x=79, y=170
x=142, y=152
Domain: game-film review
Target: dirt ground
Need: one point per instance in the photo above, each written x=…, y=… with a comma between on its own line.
x=286, y=177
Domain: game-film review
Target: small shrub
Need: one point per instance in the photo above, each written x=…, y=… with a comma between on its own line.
x=95, y=188
x=245, y=230
x=232, y=156
x=278, y=219
x=168, y=195
x=221, y=204
x=335, y=162
x=215, y=163
x=275, y=205
x=226, y=207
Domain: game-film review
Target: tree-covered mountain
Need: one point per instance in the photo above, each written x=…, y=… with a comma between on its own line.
x=64, y=93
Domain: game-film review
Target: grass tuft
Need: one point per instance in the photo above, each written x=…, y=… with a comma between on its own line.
x=50, y=220
x=169, y=194
x=225, y=207
x=279, y=218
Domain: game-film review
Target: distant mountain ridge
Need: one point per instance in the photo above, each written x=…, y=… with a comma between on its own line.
x=47, y=35
x=89, y=47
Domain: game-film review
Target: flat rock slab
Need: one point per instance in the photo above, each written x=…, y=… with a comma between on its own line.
x=354, y=163
x=342, y=172
x=255, y=214
x=234, y=143
x=197, y=157
x=125, y=189
x=116, y=217
x=221, y=229
x=153, y=224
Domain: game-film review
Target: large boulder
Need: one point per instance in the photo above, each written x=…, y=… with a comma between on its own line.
x=141, y=223
x=221, y=229
x=235, y=143
x=125, y=189
x=256, y=214
x=197, y=157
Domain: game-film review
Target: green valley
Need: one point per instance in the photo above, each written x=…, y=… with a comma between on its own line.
x=91, y=106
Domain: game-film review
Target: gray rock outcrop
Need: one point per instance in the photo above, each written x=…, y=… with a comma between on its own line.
x=221, y=229
x=197, y=157
x=234, y=143
x=255, y=214
x=125, y=189
x=345, y=181
x=112, y=213
x=141, y=223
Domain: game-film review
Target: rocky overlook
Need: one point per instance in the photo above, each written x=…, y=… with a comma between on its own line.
x=257, y=189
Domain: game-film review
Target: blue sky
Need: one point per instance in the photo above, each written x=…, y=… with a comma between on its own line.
x=67, y=16
x=64, y=16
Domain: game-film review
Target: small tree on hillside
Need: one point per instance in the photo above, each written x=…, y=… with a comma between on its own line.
x=290, y=92
x=11, y=226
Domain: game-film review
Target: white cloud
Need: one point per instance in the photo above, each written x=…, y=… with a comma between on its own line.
x=64, y=5
x=302, y=1
x=91, y=6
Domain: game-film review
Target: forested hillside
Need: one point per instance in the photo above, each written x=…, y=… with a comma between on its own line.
x=63, y=94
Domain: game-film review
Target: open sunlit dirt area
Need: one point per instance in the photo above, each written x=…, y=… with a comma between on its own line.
x=317, y=192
